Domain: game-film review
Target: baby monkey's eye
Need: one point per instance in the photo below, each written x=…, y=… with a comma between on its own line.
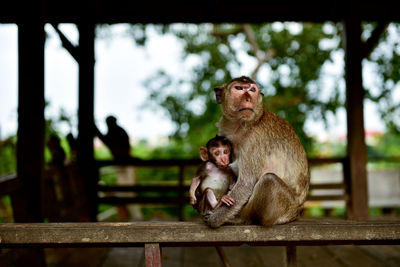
x=226, y=151
x=238, y=87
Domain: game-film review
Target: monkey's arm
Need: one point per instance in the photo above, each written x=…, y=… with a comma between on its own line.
x=192, y=191
x=240, y=193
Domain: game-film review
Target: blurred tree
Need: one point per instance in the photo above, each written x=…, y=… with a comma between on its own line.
x=384, y=89
x=285, y=58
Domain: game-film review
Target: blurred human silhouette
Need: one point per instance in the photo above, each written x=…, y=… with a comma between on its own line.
x=56, y=184
x=73, y=146
x=57, y=152
x=117, y=140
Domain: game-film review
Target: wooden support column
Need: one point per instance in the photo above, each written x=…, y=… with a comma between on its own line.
x=290, y=259
x=30, y=144
x=86, y=114
x=181, y=194
x=356, y=147
x=152, y=252
x=31, y=126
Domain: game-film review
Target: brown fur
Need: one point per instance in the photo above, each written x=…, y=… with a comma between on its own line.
x=273, y=178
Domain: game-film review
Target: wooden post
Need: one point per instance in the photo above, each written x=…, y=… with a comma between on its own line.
x=152, y=254
x=181, y=197
x=356, y=148
x=30, y=144
x=290, y=259
x=31, y=125
x=86, y=114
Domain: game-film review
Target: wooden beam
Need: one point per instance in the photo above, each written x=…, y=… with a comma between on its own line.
x=356, y=147
x=66, y=43
x=302, y=232
x=373, y=40
x=157, y=11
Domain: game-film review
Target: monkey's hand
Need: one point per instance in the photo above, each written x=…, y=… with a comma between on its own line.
x=193, y=200
x=227, y=200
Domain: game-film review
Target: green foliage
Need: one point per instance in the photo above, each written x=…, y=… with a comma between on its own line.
x=386, y=61
x=291, y=59
x=388, y=145
x=8, y=156
x=288, y=61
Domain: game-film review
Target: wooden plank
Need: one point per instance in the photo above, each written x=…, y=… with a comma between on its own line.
x=326, y=197
x=173, y=256
x=65, y=257
x=143, y=200
x=316, y=256
x=124, y=257
x=386, y=254
x=194, y=161
x=328, y=186
x=271, y=256
x=303, y=232
x=242, y=256
x=152, y=253
x=200, y=256
x=354, y=256
x=170, y=188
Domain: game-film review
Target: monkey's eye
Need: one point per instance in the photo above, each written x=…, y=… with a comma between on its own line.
x=252, y=89
x=216, y=153
x=226, y=151
x=238, y=87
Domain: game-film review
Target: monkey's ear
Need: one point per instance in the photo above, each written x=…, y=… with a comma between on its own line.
x=204, y=153
x=218, y=94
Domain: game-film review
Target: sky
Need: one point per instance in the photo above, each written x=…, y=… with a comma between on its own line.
x=120, y=71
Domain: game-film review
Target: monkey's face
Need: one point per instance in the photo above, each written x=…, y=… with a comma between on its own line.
x=220, y=155
x=242, y=99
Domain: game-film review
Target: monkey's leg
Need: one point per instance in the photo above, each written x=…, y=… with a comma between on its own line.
x=212, y=200
x=272, y=202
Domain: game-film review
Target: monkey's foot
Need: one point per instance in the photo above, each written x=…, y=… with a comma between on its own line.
x=236, y=221
x=214, y=219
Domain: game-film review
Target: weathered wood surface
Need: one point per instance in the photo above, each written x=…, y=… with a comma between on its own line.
x=326, y=256
x=303, y=232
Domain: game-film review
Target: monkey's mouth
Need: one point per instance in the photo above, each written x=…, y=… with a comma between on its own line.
x=243, y=109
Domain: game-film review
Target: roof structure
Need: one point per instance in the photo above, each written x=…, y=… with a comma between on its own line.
x=157, y=11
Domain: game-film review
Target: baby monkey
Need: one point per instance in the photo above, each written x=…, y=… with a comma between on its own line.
x=214, y=178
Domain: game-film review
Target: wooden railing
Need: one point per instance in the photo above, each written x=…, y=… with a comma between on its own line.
x=182, y=188
x=11, y=185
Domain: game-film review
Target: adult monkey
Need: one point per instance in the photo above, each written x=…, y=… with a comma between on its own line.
x=273, y=176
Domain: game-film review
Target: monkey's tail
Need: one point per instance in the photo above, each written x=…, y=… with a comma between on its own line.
x=223, y=257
